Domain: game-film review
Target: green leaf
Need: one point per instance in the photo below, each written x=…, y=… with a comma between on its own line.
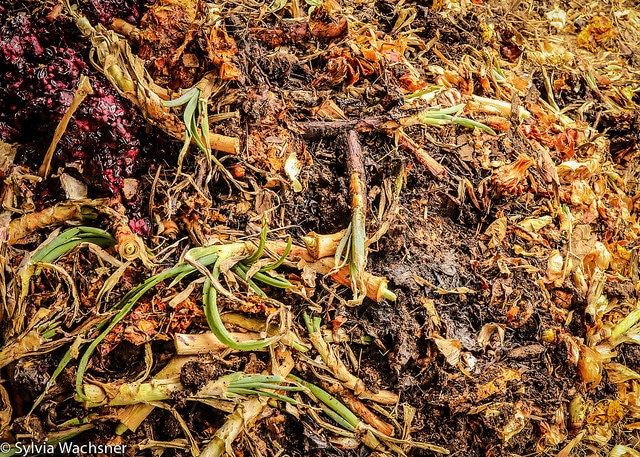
x=215, y=322
x=184, y=98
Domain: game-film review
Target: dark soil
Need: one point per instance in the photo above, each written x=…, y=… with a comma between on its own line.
x=436, y=254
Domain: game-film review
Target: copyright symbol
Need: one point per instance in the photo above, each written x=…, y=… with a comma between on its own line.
x=5, y=447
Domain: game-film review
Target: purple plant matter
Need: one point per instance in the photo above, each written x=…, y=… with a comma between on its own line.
x=104, y=11
x=42, y=56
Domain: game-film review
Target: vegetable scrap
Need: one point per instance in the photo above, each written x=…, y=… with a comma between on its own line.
x=320, y=227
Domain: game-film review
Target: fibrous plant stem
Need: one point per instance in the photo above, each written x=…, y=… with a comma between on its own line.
x=353, y=243
x=162, y=388
x=339, y=370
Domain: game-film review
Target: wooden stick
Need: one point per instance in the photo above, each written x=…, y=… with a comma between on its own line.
x=422, y=156
x=321, y=129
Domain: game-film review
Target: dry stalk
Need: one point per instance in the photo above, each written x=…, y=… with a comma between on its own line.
x=112, y=56
x=434, y=167
x=339, y=369
x=204, y=343
x=320, y=246
x=244, y=416
x=76, y=210
x=130, y=246
x=84, y=89
x=354, y=241
x=132, y=416
x=359, y=408
x=376, y=286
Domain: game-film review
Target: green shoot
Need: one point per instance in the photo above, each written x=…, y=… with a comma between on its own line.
x=197, y=259
x=217, y=326
x=205, y=256
x=196, y=123
x=263, y=239
x=224, y=388
x=447, y=116
x=331, y=401
x=243, y=267
x=313, y=4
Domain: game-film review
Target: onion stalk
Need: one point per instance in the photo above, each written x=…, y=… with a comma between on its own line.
x=29, y=340
x=445, y=116
x=623, y=327
x=196, y=122
x=352, y=249
x=368, y=435
x=339, y=370
x=196, y=259
x=228, y=387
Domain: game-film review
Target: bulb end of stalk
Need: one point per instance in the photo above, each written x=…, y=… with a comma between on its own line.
x=320, y=246
x=382, y=290
x=548, y=335
x=310, y=243
x=388, y=294
x=121, y=429
x=94, y=396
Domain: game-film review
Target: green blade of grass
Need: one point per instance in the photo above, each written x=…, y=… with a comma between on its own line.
x=282, y=258
x=259, y=379
x=245, y=391
x=68, y=239
x=471, y=124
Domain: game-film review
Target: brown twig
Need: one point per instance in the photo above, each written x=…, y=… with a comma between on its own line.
x=421, y=155
x=314, y=130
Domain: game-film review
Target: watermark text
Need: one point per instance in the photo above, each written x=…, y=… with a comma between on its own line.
x=65, y=448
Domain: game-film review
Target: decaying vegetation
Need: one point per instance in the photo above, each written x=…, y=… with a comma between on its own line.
x=321, y=227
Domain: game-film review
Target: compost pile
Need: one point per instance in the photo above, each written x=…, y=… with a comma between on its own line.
x=320, y=227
